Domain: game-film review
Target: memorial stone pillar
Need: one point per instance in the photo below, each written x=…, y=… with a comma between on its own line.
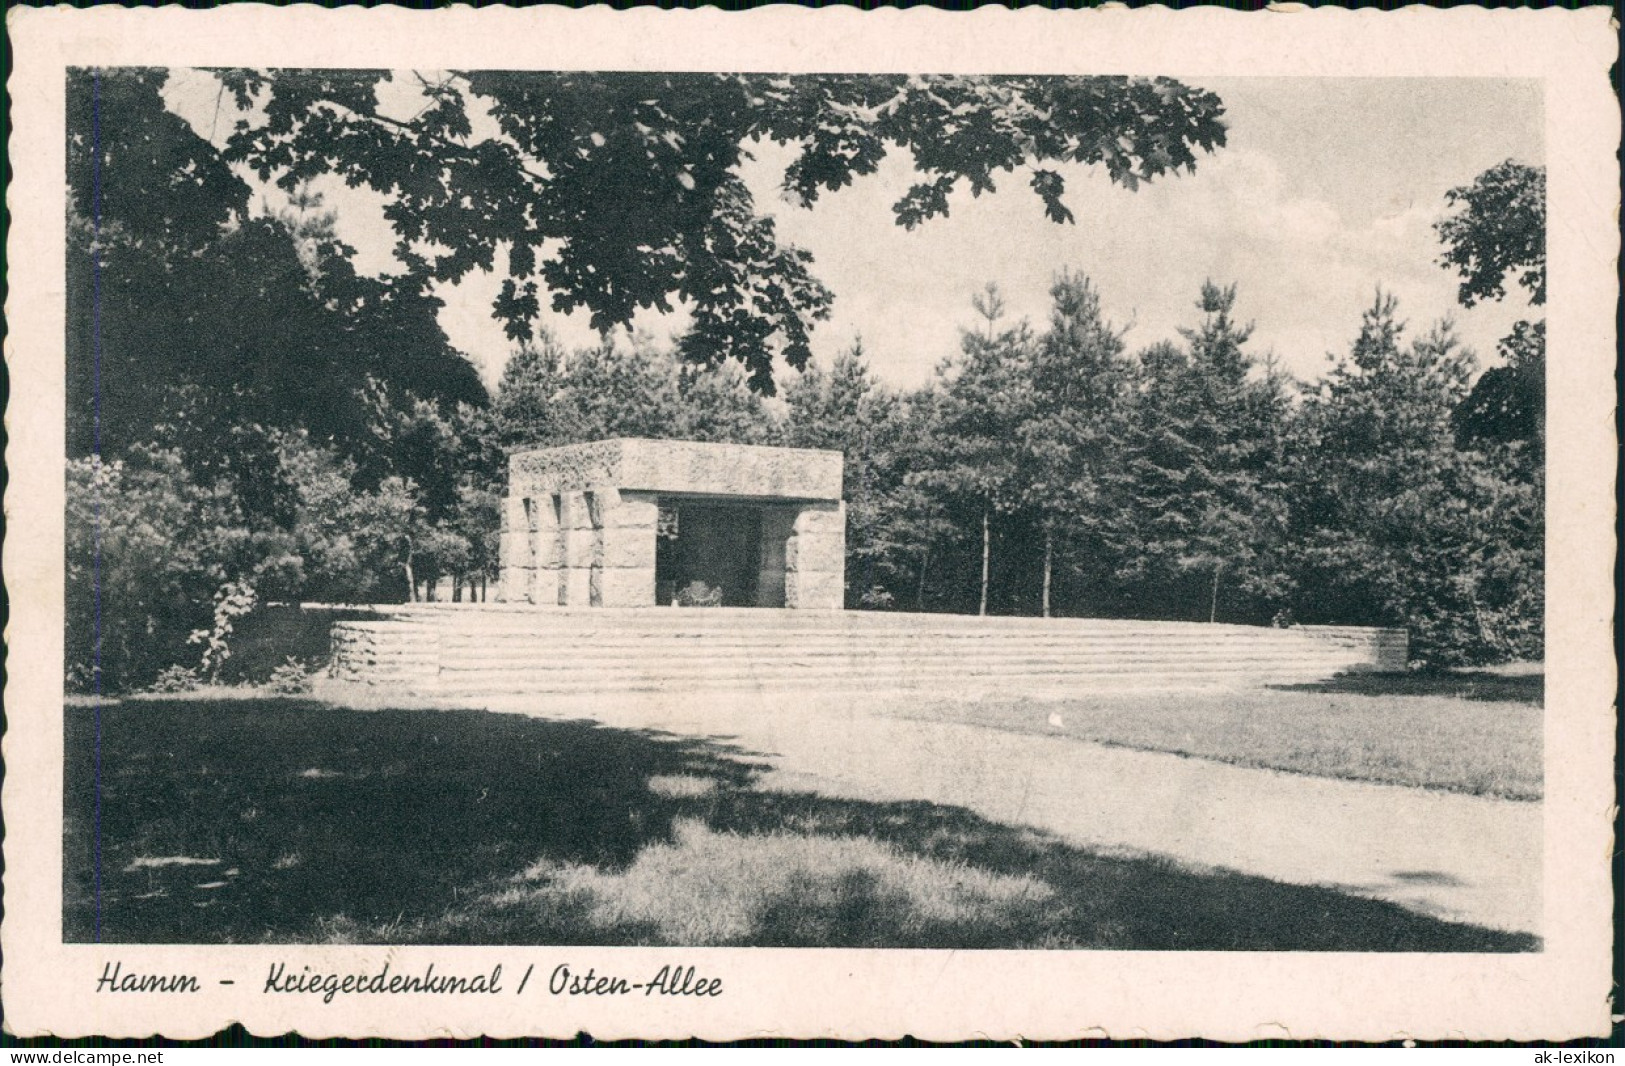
x=577, y=546
x=625, y=572
x=514, y=551
x=815, y=558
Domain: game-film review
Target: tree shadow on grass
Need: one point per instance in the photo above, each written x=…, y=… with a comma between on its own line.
x=296, y=810
x=1460, y=684
x=286, y=820
x=1106, y=901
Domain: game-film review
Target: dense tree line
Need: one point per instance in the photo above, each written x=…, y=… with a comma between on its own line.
x=251, y=420
x=1049, y=472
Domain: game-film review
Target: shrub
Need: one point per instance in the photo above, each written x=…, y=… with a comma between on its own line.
x=174, y=679
x=164, y=556
x=292, y=678
x=147, y=550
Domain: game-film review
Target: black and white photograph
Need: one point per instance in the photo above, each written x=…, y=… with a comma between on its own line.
x=929, y=512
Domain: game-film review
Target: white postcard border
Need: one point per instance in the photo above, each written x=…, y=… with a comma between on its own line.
x=49, y=987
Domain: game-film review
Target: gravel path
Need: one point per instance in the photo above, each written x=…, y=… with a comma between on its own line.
x=1456, y=857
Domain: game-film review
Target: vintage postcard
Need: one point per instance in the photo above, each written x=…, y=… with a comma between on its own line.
x=1020, y=525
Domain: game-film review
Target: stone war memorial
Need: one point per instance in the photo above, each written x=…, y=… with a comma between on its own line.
x=634, y=523
x=685, y=568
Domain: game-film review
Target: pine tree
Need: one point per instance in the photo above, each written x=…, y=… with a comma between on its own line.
x=718, y=404
x=1206, y=439
x=1072, y=432
x=975, y=451
x=530, y=407
x=1395, y=525
x=892, y=527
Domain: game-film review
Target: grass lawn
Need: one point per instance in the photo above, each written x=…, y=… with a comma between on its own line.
x=1474, y=732
x=287, y=820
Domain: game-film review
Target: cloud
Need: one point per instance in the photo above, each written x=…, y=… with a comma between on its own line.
x=1304, y=272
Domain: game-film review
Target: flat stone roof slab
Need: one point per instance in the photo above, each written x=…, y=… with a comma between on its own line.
x=680, y=467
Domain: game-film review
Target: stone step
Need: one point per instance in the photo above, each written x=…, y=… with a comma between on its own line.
x=1280, y=638
x=555, y=659
x=769, y=633
x=1071, y=684
x=588, y=630
x=590, y=660
x=763, y=621
x=624, y=638
x=1276, y=638
x=526, y=678
x=670, y=620
x=724, y=643
x=524, y=654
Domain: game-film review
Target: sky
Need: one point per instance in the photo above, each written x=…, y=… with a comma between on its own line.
x=1325, y=189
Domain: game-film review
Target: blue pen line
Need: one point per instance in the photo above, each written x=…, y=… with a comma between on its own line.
x=96, y=448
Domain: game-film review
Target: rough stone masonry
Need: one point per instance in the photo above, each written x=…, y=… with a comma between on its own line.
x=625, y=522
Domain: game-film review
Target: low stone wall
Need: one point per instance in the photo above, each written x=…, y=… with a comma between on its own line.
x=272, y=634
x=386, y=653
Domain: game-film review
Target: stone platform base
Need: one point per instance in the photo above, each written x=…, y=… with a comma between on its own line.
x=470, y=650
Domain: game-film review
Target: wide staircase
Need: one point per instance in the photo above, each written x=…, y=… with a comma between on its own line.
x=467, y=650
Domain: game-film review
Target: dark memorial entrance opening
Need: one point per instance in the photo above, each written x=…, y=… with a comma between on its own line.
x=716, y=545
